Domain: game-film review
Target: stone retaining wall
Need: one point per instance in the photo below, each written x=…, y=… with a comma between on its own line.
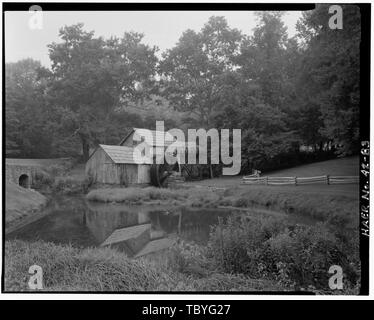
x=14, y=172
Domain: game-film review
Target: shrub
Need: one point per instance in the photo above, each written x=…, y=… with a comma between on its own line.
x=46, y=178
x=60, y=168
x=70, y=186
x=188, y=258
x=42, y=179
x=295, y=256
x=234, y=244
x=304, y=255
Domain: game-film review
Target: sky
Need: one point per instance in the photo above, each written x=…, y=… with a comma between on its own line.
x=161, y=28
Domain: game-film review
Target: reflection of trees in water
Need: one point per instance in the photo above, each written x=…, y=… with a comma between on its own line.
x=103, y=219
x=190, y=223
x=196, y=223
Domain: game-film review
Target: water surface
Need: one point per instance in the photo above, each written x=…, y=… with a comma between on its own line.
x=81, y=223
x=74, y=220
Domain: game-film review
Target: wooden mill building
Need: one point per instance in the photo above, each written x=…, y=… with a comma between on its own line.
x=113, y=164
x=159, y=140
x=117, y=165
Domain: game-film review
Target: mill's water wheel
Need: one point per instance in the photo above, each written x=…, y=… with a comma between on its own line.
x=159, y=174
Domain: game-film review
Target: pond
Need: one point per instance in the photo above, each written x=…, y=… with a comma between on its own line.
x=81, y=223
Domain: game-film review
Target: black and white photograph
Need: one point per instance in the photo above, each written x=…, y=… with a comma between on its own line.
x=186, y=148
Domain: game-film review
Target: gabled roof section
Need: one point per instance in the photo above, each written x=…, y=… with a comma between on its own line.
x=158, y=137
x=123, y=154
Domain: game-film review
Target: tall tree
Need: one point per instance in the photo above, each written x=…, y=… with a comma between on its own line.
x=267, y=70
x=199, y=68
x=263, y=58
x=26, y=112
x=92, y=78
x=332, y=73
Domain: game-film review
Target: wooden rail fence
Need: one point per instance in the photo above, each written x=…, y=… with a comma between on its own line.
x=327, y=179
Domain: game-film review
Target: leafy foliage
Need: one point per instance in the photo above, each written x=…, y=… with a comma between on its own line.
x=198, y=69
x=281, y=92
x=295, y=256
x=92, y=78
x=331, y=73
x=26, y=105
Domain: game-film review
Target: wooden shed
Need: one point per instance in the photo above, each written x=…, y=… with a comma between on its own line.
x=117, y=165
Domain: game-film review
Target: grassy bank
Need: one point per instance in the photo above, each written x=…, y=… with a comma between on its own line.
x=348, y=166
x=295, y=256
x=195, y=197
x=20, y=203
x=243, y=254
x=101, y=269
x=335, y=208
x=52, y=176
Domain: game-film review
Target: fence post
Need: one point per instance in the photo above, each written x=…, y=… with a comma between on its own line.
x=267, y=182
x=328, y=179
x=295, y=181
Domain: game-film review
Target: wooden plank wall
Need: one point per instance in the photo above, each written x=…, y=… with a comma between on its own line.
x=104, y=170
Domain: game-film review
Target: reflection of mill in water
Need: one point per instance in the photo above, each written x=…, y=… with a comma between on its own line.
x=135, y=230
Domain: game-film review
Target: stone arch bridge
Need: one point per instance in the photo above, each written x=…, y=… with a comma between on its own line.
x=21, y=171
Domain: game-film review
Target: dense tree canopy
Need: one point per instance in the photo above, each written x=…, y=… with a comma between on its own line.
x=199, y=68
x=282, y=92
x=331, y=74
x=92, y=78
x=27, y=133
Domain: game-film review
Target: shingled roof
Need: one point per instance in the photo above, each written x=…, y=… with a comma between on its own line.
x=122, y=154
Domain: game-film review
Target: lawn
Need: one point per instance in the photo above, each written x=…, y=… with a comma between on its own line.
x=343, y=166
x=348, y=166
x=319, y=201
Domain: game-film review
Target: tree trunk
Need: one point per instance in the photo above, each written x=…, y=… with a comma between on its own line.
x=85, y=147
